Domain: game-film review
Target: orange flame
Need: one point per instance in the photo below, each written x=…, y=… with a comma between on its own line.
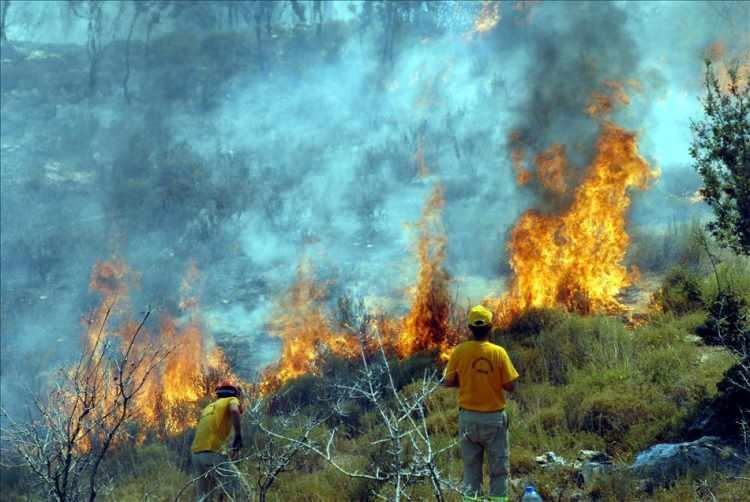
x=167, y=402
x=300, y=320
x=427, y=327
x=604, y=103
x=305, y=328
x=550, y=167
x=717, y=54
x=488, y=16
x=575, y=259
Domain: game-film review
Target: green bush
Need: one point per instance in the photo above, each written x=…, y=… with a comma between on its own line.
x=728, y=322
x=561, y=343
x=680, y=292
x=531, y=323
x=148, y=472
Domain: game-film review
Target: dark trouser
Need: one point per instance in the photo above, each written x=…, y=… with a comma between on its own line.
x=218, y=476
x=480, y=433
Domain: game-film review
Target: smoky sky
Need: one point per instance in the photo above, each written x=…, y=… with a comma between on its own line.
x=248, y=160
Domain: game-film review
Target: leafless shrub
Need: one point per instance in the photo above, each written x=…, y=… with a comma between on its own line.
x=67, y=434
x=409, y=454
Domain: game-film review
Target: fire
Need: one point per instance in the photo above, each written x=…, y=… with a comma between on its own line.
x=427, y=326
x=167, y=402
x=305, y=327
x=717, y=54
x=575, y=259
x=300, y=320
x=518, y=159
x=488, y=16
x=604, y=103
x=550, y=167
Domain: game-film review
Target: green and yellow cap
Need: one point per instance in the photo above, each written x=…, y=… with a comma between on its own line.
x=480, y=316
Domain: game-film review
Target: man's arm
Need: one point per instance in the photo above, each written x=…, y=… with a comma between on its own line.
x=510, y=386
x=451, y=380
x=450, y=377
x=234, y=413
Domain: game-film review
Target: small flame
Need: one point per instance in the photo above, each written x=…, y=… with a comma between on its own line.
x=717, y=54
x=488, y=16
x=422, y=168
x=518, y=159
x=550, y=167
x=604, y=103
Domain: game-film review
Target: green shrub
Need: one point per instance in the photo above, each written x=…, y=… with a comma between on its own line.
x=568, y=342
x=531, y=323
x=680, y=292
x=148, y=472
x=302, y=392
x=728, y=322
x=733, y=274
x=414, y=367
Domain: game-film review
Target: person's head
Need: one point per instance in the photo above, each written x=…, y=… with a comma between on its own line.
x=228, y=389
x=480, y=322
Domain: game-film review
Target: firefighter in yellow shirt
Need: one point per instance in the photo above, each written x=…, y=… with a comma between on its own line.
x=483, y=372
x=218, y=474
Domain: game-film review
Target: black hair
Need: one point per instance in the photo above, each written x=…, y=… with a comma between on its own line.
x=480, y=332
x=227, y=392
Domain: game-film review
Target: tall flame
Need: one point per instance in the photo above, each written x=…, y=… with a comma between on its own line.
x=427, y=326
x=575, y=259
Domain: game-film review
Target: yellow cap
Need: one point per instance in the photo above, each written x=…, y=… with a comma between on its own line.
x=480, y=316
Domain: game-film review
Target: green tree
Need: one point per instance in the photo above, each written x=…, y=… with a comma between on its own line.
x=721, y=149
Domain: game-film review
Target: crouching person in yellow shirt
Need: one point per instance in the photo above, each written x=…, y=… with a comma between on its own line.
x=218, y=474
x=483, y=372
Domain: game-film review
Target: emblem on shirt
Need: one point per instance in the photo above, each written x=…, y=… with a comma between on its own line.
x=482, y=365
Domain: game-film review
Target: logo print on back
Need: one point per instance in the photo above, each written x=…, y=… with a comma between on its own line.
x=482, y=365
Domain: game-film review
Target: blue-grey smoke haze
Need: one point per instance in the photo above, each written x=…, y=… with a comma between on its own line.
x=312, y=151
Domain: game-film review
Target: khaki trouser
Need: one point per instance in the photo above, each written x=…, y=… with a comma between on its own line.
x=218, y=476
x=480, y=433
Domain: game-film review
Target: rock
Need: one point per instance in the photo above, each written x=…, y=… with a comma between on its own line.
x=662, y=463
x=591, y=472
x=591, y=466
x=550, y=459
x=594, y=456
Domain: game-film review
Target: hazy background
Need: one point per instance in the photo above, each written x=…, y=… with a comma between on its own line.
x=244, y=148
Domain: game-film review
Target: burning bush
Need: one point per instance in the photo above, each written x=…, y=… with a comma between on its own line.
x=574, y=259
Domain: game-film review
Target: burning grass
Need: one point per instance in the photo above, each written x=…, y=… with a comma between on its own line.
x=166, y=403
x=308, y=332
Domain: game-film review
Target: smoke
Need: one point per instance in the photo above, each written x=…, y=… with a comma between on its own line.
x=312, y=146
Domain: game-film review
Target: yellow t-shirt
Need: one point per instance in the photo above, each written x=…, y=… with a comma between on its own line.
x=482, y=368
x=214, y=426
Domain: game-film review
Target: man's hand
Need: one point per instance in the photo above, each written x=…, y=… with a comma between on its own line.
x=237, y=443
x=452, y=381
x=234, y=412
x=234, y=449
